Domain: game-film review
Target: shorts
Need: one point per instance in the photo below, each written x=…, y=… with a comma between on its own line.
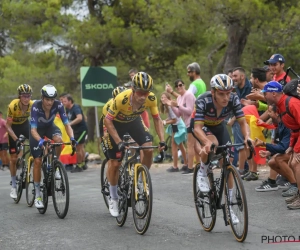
x=19, y=129
x=48, y=132
x=190, y=129
x=3, y=146
x=237, y=135
x=79, y=136
x=221, y=133
x=135, y=129
x=174, y=128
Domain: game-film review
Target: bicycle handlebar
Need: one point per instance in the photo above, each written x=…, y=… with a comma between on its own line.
x=56, y=144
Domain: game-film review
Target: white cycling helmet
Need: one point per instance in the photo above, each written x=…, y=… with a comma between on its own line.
x=221, y=82
x=49, y=91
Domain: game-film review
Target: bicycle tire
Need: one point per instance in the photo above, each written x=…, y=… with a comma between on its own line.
x=146, y=197
x=43, y=189
x=30, y=184
x=123, y=207
x=104, y=182
x=240, y=203
x=19, y=178
x=202, y=199
x=60, y=186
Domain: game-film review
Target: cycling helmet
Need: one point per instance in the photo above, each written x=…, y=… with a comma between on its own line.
x=221, y=82
x=143, y=81
x=24, y=89
x=117, y=91
x=49, y=91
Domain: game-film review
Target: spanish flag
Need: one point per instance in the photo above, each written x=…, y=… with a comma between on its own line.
x=65, y=156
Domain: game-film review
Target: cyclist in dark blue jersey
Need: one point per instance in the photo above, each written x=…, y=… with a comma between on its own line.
x=42, y=125
x=211, y=110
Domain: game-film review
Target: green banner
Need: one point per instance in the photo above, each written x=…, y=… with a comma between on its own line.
x=97, y=84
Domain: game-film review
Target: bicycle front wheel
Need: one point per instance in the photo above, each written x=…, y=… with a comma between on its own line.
x=141, y=198
x=30, y=191
x=205, y=202
x=60, y=189
x=104, y=182
x=19, y=178
x=236, y=204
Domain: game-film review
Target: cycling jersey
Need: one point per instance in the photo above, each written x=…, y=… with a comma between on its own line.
x=207, y=113
x=16, y=114
x=106, y=107
x=121, y=109
x=38, y=116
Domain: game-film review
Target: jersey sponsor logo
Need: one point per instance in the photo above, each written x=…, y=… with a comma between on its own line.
x=151, y=98
x=36, y=148
x=15, y=107
x=99, y=86
x=9, y=112
x=115, y=105
x=111, y=112
x=125, y=100
x=13, y=150
x=44, y=120
x=35, y=109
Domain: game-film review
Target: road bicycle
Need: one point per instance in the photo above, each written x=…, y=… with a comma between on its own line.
x=235, y=200
x=134, y=187
x=22, y=180
x=51, y=185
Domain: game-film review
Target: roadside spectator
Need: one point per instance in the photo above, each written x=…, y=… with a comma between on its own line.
x=3, y=143
x=177, y=129
x=79, y=127
x=269, y=73
x=276, y=64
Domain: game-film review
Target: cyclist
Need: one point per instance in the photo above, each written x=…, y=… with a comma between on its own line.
x=124, y=117
x=17, y=124
x=42, y=125
x=211, y=110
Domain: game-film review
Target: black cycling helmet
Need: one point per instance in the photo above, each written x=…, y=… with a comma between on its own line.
x=142, y=81
x=117, y=91
x=221, y=82
x=24, y=89
x=49, y=91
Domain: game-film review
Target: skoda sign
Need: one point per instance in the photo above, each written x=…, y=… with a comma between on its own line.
x=97, y=84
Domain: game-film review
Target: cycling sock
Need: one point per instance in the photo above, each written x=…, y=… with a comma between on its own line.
x=113, y=190
x=37, y=189
x=203, y=169
x=13, y=182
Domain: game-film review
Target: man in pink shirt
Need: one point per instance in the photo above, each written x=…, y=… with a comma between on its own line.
x=3, y=143
x=184, y=107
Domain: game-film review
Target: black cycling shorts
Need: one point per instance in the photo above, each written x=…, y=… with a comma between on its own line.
x=174, y=128
x=19, y=129
x=48, y=132
x=221, y=133
x=136, y=129
x=3, y=146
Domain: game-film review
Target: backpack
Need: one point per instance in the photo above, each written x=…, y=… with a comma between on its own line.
x=290, y=89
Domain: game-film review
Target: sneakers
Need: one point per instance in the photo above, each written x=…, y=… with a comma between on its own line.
x=243, y=172
x=251, y=177
x=266, y=186
x=290, y=192
x=113, y=207
x=282, y=182
x=84, y=167
x=172, y=169
x=290, y=200
x=295, y=204
x=38, y=202
x=234, y=218
x=188, y=171
x=184, y=168
x=76, y=170
x=202, y=184
x=13, y=193
x=57, y=174
x=245, y=175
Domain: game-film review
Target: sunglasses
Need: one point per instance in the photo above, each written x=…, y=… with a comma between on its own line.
x=26, y=96
x=179, y=85
x=142, y=93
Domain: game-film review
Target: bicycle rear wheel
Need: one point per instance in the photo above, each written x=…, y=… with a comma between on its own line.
x=142, y=199
x=30, y=191
x=205, y=202
x=43, y=189
x=104, y=182
x=236, y=204
x=19, y=178
x=60, y=190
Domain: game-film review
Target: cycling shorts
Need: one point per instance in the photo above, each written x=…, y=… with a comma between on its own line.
x=19, y=129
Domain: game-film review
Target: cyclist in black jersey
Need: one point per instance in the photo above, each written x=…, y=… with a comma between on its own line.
x=209, y=127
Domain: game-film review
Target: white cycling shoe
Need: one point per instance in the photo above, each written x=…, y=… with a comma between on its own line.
x=113, y=207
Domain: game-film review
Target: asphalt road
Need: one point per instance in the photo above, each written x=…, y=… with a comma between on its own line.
x=174, y=224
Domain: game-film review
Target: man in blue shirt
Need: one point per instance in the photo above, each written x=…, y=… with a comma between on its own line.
x=243, y=88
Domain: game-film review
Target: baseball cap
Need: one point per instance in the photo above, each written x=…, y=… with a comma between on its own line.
x=272, y=86
x=274, y=59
